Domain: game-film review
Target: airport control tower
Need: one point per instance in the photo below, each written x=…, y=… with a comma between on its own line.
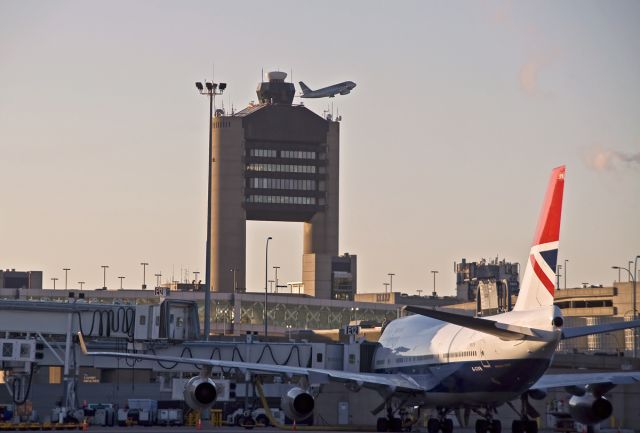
x=275, y=161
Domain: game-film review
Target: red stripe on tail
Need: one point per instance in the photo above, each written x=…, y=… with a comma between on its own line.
x=541, y=275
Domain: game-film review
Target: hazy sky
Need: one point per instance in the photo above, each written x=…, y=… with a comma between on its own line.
x=461, y=111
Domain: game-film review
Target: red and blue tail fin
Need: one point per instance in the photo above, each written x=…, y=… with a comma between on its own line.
x=538, y=284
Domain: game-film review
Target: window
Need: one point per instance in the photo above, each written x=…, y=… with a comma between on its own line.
x=319, y=357
x=268, y=183
x=281, y=199
x=265, y=153
x=284, y=168
x=297, y=154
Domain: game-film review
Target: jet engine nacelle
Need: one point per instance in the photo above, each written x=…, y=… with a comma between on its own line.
x=345, y=92
x=297, y=404
x=589, y=409
x=200, y=392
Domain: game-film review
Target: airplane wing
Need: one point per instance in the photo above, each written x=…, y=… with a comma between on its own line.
x=386, y=382
x=581, y=331
x=503, y=330
x=549, y=381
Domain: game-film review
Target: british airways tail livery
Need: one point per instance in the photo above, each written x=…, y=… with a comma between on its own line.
x=455, y=363
x=538, y=287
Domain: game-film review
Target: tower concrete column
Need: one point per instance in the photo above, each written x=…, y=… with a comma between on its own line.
x=321, y=233
x=228, y=216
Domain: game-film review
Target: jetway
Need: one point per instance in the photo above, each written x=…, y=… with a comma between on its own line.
x=42, y=335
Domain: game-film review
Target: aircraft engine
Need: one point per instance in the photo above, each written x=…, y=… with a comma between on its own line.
x=345, y=92
x=297, y=404
x=200, y=392
x=589, y=409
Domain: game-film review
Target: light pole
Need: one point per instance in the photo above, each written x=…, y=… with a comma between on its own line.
x=158, y=279
x=54, y=279
x=276, y=278
x=558, y=269
x=195, y=281
x=391, y=282
x=121, y=278
x=434, y=283
x=419, y=292
x=565, y=273
x=633, y=278
x=104, y=276
x=386, y=287
x=211, y=92
x=81, y=284
x=144, y=274
x=234, y=270
x=66, y=271
x=266, y=277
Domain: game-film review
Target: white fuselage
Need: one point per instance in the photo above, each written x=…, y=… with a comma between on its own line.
x=461, y=366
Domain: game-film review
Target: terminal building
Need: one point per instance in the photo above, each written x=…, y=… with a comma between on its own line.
x=277, y=161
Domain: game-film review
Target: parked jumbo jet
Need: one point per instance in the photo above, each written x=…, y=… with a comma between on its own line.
x=343, y=88
x=454, y=363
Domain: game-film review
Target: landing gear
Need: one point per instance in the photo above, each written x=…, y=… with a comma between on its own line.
x=441, y=423
x=390, y=423
x=525, y=424
x=488, y=424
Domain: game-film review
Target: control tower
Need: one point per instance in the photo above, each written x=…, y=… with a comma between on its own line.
x=275, y=161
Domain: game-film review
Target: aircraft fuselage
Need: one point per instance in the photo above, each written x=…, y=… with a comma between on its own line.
x=461, y=366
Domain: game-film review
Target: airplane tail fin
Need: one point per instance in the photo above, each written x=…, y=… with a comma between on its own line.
x=538, y=283
x=305, y=88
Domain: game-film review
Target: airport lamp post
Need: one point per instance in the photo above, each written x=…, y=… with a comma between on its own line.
x=386, y=287
x=565, y=273
x=66, y=271
x=210, y=89
x=121, y=278
x=391, y=282
x=235, y=285
x=266, y=278
x=54, y=279
x=195, y=281
x=104, y=276
x=276, y=278
x=633, y=278
x=434, y=283
x=157, y=279
x=81, y=284
x=144, y=274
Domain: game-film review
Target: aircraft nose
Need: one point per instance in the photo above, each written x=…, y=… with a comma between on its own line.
x=353, y=84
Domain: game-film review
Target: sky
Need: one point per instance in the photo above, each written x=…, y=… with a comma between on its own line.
x=460, y=112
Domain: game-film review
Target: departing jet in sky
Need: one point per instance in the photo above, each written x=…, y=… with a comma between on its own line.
x=452, y=363
x=343, y=88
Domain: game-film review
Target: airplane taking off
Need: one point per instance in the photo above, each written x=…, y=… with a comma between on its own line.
x=343, y=88
x=455, y=363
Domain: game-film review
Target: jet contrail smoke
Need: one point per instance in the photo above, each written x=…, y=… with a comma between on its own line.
x=606, y=159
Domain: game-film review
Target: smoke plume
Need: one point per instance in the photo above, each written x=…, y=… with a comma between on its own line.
x=601, y=159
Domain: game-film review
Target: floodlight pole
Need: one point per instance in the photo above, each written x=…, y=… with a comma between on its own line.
x=266, y=291
x=209, y=90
